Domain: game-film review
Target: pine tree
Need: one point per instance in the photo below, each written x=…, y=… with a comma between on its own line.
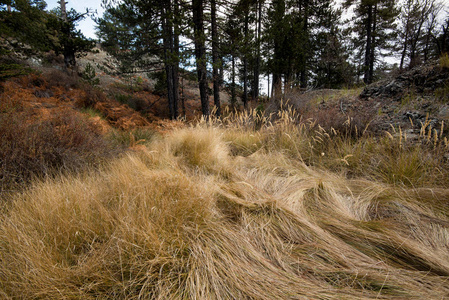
x=299, y=38
x=276, y=37
x=144, y=34
x=26, y=21
x=418, y=20
x=171, y=55
x=257, y=66
x=70, y=41
x=375, y=29
x=216, y=60
x=63, y=9
x=230, y=50
x=200, y=53
x=330, y=64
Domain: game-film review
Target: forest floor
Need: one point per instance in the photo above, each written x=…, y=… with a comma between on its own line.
x=328, y=195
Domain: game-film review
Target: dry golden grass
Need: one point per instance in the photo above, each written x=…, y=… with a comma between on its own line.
x=220, y=211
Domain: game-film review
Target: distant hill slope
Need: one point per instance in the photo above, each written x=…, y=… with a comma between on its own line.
x=411, y=100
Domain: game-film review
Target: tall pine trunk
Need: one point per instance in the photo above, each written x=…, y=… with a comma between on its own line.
x=303, y=73
x=245, y=63
x=68, y=51
x=62, y=4
x=373, y=45
x=176, y=56
x=167, y=32
x=277, y=88
x=200, y=53
x=170, y=60
x=368, y=48
x=257, y=67
x=404, y=52
x=405, y=42
x=216, y=62
x=233, y=93
x=427, y=44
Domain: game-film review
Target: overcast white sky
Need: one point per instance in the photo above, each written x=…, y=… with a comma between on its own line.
x=87, y=26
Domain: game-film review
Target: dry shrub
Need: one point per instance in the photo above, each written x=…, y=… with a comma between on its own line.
x=40, y=147
x=91, y=96
x=31, y=81
x=59, y=78
x=352, y=124
x=144, y=228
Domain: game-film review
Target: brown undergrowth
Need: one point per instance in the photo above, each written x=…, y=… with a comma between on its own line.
x=37, y=143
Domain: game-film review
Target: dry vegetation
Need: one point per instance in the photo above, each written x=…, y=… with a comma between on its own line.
x=37, y=144
x=240, y=208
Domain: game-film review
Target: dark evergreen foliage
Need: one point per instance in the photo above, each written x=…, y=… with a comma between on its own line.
x=31, y=24
x=144, y=36
x=69, y=41
x=375, y=31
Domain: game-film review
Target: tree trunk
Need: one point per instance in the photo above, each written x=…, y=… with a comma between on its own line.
x=279, y=58
x=404, y=52
x=215, y=60
x=245, y=64
x=404, y=47
x=168, y=46
x=183, y=102
x=368, y=24
x=62, y=4
x=69, y=58
x=68, y=51
x=233, y=94
x=176, y=55
x=277, y=88
x=170, y=89
x=417, y=35
x=427, y=41
x=200, y=53
x=373, y=45
x=268, y=87
x=257, y=68
x=303, y=73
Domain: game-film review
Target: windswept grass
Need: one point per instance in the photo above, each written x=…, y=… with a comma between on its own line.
x=221, y=211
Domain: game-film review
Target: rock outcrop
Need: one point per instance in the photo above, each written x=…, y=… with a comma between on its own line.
x=421, y=80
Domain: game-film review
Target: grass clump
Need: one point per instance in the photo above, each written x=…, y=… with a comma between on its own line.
x=201, y=148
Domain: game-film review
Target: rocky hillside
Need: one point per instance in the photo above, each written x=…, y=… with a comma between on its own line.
x=98, y=68
x=411, y=100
